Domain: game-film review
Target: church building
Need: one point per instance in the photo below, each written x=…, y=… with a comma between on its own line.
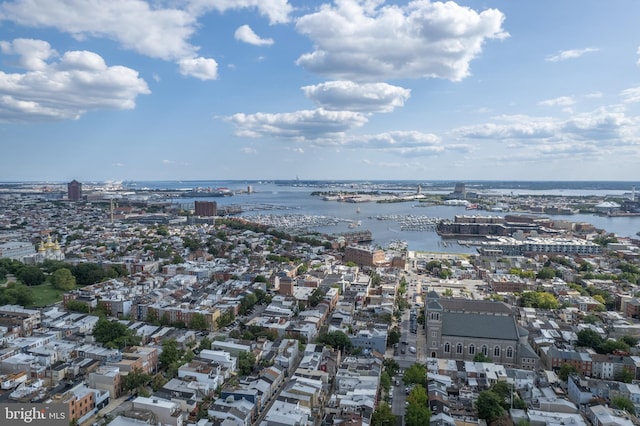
x=461, y=328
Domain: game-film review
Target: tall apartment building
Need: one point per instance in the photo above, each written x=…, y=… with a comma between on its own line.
x=74, y=190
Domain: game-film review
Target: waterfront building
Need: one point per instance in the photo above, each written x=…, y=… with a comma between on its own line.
x=363, y=256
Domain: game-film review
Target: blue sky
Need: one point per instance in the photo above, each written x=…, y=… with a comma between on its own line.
x=349, y=89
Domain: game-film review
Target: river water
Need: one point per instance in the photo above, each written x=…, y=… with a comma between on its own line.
x=297, y=200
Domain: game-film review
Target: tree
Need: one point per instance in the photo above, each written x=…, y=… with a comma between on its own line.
x=198, y=322
x=136, y=379
x=623, y=403
x=383, y=416
x=546, y=273
x=246, y=363
x=336, y=339
x=391, y=366
x=76, y=306
x=624, y=376
x=480, y=357
x=31, y=275
x=63, y=279
x=393, y=336
x=88, y=273
x=489, y=405
x=170, y=353
x=16, y=294
x=205, y=343
x=588, y=338
x=114, y=334
x=418, y=412
x=565, y=371
x=316, y=297
x=416, y=374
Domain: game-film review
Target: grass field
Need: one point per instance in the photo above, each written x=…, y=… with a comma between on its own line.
x=45, y=294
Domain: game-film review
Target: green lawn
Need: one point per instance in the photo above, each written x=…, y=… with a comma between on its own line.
x=45, y=294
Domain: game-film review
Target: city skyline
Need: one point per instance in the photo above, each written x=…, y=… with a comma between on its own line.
x=250, y=89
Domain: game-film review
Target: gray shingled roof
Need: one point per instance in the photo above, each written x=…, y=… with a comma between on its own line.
x=479, y=326
x=467, y=305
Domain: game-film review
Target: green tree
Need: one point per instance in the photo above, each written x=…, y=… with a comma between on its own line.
x=136, y=379
x=31, y=275
x=480, y=357
x=198, y=322
x=418, y=412
x=246, y=363
x=489, y=405
x=624, y=376
x=391, y=366
x=16, y=294
x=316, y=297
x=393, y=337
x=63, y=279
x=565, y=371
x=588, y=338
x=623, y=403
x=383, y=416
x=546, y=273
x=88, y=273
x=205, y=343
x=170, y=353
x=114, y=334
x=416, y=374
x=75, y=306
x=336, y=339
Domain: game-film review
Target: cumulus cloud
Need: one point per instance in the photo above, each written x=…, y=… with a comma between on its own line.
x=603, y=128
x=151, y=30
x=201, y=68
x=366, y=40
x=560, y=101
x=347, y=95
x=277, y=11
x=570, y=54
x=78, y=82
x=156, y=32
x=245, y=34
x=305, y=125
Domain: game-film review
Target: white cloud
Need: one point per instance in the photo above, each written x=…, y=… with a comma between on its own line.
x=248, y=150
x=366, y=40
x=78, y=82
x=631, y=95
x=570, y=54
x=585, y=133
x=33, y=54
x=245, y=34
x=155, y=32
x=560, y=101
x=149, y=28
x=168, y=162
x=350, y=96
x=276, y=10
x=407, y=143
x=201, y=68
x=306, y=125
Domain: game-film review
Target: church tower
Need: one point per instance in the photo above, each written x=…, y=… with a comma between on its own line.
x=433, y=316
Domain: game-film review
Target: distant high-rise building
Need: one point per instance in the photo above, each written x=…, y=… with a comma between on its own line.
x=74, y=190
x=206, y=208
